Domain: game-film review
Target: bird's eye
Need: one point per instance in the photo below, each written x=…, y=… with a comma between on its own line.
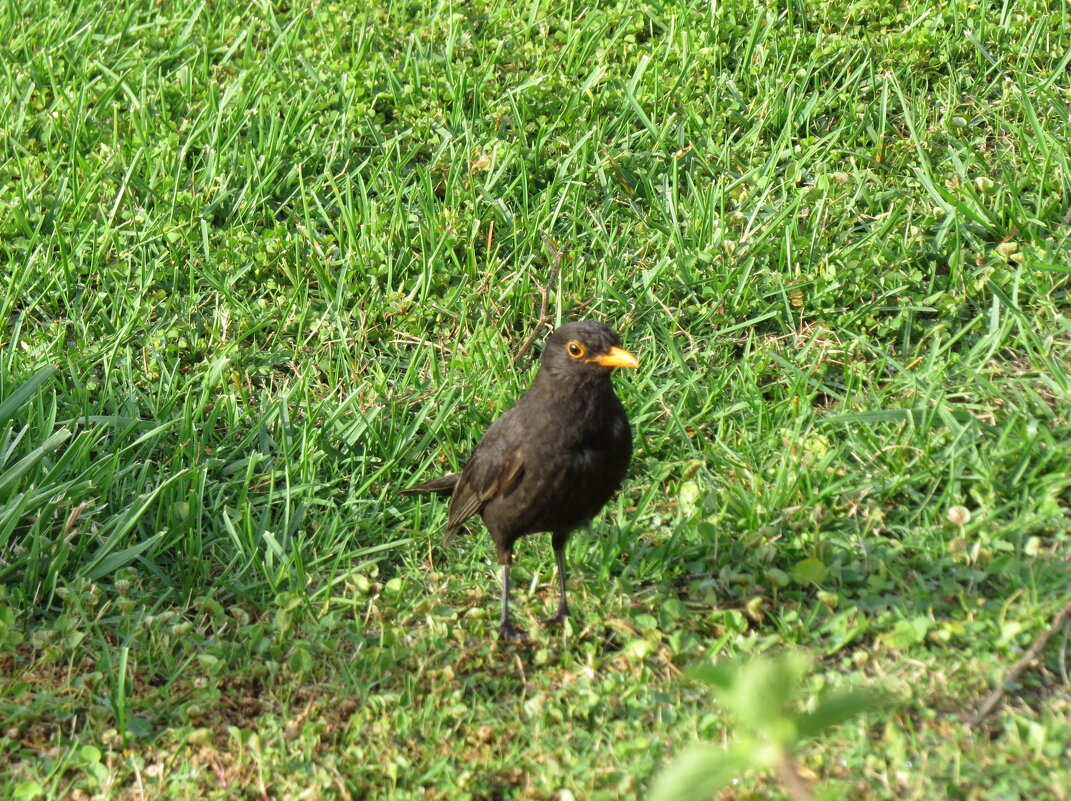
x=576, y=350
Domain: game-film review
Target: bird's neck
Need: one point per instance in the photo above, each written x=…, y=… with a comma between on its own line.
x=579, y=390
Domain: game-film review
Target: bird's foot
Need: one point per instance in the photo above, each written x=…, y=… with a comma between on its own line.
x=507, y=633
x=557, y=619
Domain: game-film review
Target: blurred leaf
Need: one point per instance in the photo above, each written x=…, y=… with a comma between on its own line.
x=762, y=687
x=809, y=571
x=757, y=690
x=698, y=773
x=27, y=791
x=907, y=633
x=139, y=727
x=835, y=709
x=301, y=660
x=719, y=676
x=776, y=577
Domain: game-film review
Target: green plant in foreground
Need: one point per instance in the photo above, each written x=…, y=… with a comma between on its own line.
x=758, y=694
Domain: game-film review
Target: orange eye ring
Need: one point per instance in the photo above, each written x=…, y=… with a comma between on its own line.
x=575, y=349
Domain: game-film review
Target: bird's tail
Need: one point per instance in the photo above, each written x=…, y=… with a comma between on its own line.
x=440, y=486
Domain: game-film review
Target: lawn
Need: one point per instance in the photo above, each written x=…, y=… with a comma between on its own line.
x=267, y=264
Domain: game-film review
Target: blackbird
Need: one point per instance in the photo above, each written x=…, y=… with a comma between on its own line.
x=553, y=459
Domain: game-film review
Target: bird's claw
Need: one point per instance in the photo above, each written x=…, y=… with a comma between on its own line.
x=507, y=633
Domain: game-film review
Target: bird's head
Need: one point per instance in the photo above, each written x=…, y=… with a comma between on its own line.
x=585, y=348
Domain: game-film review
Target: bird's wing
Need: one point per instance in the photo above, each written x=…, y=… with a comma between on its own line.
x=489, y=474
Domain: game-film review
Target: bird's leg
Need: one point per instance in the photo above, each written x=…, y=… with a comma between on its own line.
x=506, y=632
x=563, y=603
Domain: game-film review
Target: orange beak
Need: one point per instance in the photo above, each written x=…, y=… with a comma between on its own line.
x=616, y=357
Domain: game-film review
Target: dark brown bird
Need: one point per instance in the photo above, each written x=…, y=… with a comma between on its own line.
x=552, y=460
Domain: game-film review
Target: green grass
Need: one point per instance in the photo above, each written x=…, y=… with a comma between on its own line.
x=268, y=264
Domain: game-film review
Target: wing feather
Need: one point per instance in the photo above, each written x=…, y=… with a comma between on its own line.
x=483, y=479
